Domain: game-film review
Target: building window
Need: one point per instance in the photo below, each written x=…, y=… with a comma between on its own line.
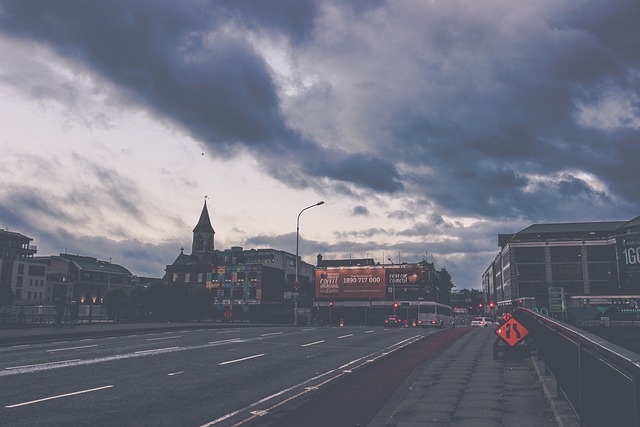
x=568, y=272
x=529, y=255
x=566, y=254
x=20, y=268
x=187, y=277
x=175, y=277
x=200, y=275
x=601, y=253
x=19, y=282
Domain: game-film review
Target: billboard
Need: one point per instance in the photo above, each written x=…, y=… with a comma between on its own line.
x=404, y=282
x=350, y=283
x=629, y=258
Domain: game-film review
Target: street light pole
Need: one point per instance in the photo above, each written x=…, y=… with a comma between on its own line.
x=394, y=290
x=297, y=282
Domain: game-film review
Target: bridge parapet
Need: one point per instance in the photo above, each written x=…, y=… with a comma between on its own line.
x=600, y=380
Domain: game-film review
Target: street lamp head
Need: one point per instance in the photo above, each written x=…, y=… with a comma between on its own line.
x=320, y=203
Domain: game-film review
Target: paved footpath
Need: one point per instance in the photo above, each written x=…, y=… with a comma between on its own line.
x=464, y=386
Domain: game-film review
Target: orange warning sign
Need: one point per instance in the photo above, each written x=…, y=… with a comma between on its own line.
x=507, y=316
x=512, y=332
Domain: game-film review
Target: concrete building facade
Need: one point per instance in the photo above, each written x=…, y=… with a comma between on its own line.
x=590, y=261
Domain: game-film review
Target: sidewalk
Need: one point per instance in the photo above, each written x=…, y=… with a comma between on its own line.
x=464, y=386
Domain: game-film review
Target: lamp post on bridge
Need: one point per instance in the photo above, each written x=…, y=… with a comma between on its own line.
x=297, y=282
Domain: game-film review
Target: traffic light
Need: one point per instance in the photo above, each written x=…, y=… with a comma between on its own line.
x=480, y=305
x=330, y=304
x=491, y=305
x=395, y=304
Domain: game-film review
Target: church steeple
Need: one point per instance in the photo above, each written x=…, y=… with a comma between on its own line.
x=203, y=234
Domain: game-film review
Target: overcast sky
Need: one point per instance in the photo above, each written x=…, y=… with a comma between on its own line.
x=427, y=127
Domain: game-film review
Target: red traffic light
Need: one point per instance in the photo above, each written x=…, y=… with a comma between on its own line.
x=330, y=303
x=491, y=304
x=395, y=304
x=480, y=305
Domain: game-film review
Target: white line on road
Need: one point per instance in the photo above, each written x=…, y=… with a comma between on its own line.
x=265, y=399
x=175, y=373
x=226, y=332
x=164, y=338
x=345, y=336
x=272, y=333
x=225, y=341
x=58, y=396
x=71, y=348
x=240, y=360
x=42, y=364
x=156, y=350
x=368, y=332
x=21, y=346
x=312, y=343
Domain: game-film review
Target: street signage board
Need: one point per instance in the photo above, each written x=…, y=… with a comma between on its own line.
x=512, y=332
x=556, y=299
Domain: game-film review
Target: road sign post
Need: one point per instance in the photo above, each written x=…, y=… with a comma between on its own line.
x=511, y=342
x=557, y=302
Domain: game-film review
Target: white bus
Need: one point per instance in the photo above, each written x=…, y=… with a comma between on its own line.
x=432, y=313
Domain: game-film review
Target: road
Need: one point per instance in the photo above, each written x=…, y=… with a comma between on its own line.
x=193, y=378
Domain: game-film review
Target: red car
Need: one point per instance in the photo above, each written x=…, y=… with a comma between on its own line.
x=392, y=321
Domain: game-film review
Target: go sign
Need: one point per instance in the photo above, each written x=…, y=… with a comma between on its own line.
x=512, y=332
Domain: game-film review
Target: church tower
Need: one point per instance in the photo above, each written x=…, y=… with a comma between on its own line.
x=203, y=235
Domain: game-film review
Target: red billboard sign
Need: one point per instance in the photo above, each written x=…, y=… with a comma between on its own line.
x=350, y=283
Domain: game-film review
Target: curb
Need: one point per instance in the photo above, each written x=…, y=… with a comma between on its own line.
x=563, y=413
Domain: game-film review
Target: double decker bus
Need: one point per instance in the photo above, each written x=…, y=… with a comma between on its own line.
x=432, y=313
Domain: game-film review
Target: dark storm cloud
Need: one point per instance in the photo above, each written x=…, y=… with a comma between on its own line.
x=175, y=59
x=502, y=112
x=361, y=211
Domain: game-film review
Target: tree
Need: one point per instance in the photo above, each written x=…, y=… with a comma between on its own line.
x=115, y=301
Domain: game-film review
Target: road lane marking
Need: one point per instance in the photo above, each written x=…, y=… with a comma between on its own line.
x=312, y=343
x=265, y=399
x=345, y=336
x=156, y=350
x=97, y=360
x=58, y=396
x=272, y=333
x=171, y=374
x=71, y=348
x=368, y=332
x=226, y=332
x=42, y=364
x=164, y=338
x=240, y=360
x=21, y=346
x=225, y=341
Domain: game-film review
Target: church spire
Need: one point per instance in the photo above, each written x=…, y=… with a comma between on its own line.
x=203, y=234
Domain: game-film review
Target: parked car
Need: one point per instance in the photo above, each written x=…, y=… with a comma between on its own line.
x=392, y=321
x=483, y=322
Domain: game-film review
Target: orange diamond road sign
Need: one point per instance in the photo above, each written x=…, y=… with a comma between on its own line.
x=512, y=332
x=507, y=316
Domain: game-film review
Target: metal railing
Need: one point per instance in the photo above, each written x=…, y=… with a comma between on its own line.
x=600, y=380
x=46, y=314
